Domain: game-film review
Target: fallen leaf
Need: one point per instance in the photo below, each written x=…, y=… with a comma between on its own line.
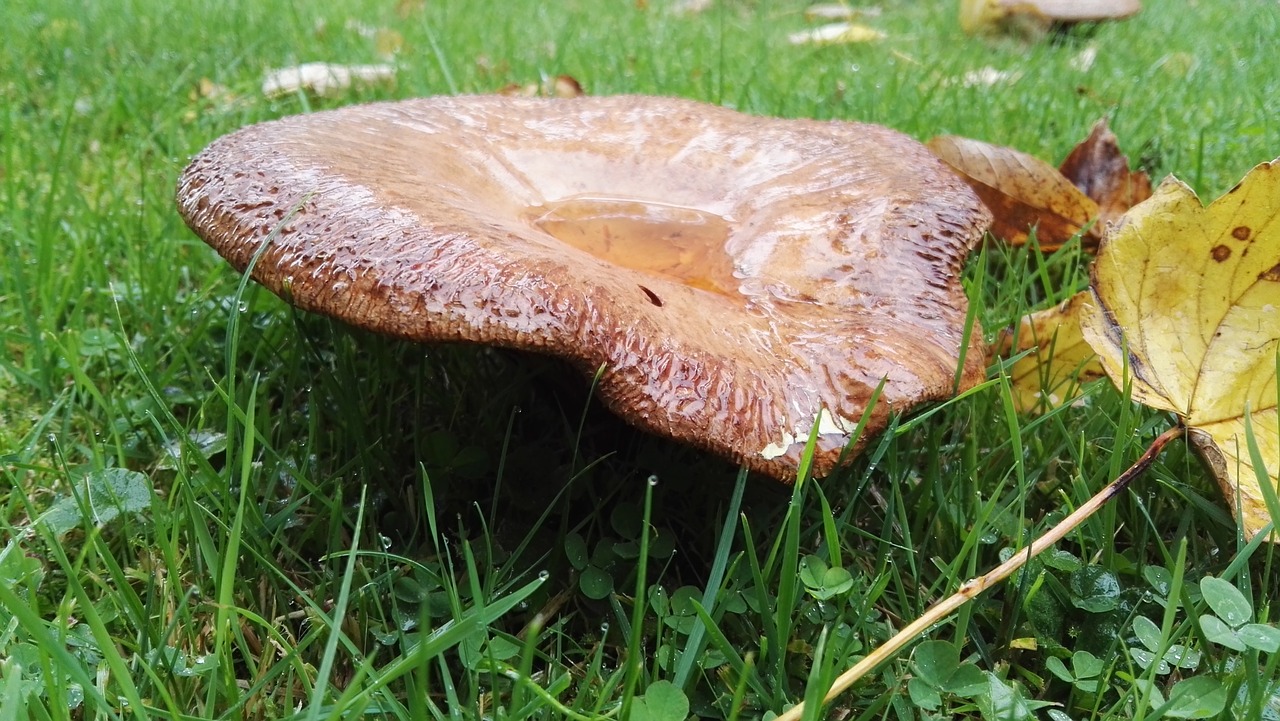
x=1022, y=192
x=1084, y=60
x=1097, y=167
x=561, y=86
x=985, y=77
x=1186, y=300
x=566, y=86
x=1061, y=361
x=836, y=34
x=324, y=79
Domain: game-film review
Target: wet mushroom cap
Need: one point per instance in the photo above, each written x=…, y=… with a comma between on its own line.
x=741, y=280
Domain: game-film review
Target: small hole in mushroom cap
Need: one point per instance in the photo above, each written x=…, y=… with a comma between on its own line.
x=653, y=297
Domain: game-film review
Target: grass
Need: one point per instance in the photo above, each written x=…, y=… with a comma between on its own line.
x=318, y=523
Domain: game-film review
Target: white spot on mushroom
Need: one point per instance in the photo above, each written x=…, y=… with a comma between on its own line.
x=829, y=423
x=774, y=450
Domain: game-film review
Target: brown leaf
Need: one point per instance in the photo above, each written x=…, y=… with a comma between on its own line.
x=1097, y=167
x=566, y=86
x=561, y=86
x=1022, y=192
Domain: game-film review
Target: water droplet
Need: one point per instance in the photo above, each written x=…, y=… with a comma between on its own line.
x=604, y=627
x=385, y=541
x=243, y=307
x=855, y=67
x=544, y=575
x=653, y=480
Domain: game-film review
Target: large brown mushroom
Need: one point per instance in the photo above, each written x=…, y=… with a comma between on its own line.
x=741, y=280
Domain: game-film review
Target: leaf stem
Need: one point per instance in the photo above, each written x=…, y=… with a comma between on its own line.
x=972, y=588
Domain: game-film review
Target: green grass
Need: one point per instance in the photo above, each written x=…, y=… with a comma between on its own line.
x=320, y=523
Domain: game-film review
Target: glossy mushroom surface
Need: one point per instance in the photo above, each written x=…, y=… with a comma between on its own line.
x=742, y=280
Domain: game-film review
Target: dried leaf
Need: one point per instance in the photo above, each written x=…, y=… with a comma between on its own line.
x=836, y=34
x=1097, y=167
x=1022, y=192
x=561, y=86
x=984, y=77
x=1084, y=60
x=1061, y=362
x=324, y=79
x=1186, y=299
x=566, y=86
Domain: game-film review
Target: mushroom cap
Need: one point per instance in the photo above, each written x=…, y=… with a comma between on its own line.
x=741, y=280
x=1082, y=11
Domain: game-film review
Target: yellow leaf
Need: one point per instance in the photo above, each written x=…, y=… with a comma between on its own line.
x=1062, y=361
x=1192, y=295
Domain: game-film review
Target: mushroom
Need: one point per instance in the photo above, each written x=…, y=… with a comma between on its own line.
x=977, y=16
x=742, y=281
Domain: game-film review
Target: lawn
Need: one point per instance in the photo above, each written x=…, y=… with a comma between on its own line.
x=214, y=506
